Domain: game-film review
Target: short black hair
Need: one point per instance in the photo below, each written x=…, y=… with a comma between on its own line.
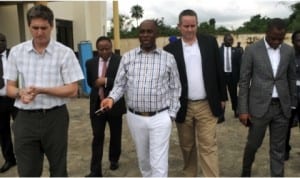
x=276, y=23
x=102, y=38
x=226, y=35
x=187, y=12
x=294, y=34
x=40, y=11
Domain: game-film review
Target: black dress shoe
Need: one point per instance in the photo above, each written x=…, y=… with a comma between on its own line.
x=6, y=166
x=114, y=165
x=221, y=119
x=236, y=114
x=246, y=174
x=286, y=156
x=93, y=175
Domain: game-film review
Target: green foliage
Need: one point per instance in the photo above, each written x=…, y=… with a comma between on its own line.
x=294, y=18
x=256, y=24
x=165, y=30
x=137, y=12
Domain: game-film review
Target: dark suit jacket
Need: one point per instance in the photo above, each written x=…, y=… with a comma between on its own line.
x=92, y=66
x=6, y=103
x=214, y=80
x=257, y=80
x=236, y=56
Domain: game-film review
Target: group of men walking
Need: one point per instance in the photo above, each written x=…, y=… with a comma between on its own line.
x=185, y=82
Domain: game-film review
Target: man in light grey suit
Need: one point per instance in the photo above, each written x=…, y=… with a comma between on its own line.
x=267, y=94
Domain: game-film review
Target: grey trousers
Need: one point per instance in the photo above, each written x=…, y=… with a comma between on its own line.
x=278, y=126
x=40, y=133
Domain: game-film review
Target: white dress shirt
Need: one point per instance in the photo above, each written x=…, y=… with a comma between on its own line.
x=193, y=64
x=274, y=56
x=4, y=63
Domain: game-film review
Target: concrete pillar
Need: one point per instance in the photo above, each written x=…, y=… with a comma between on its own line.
x=116, y=27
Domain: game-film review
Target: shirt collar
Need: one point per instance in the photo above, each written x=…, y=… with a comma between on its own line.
x=269, y=47
x=184, y=44
x=102, y=60
x=140, y=50
x=3, y=54
x=49, y=49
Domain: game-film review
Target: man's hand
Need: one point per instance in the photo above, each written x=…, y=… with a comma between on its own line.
x=26, y=95
x=223, y=104
x=245, y=119
x=107, y=103
x=100, y=82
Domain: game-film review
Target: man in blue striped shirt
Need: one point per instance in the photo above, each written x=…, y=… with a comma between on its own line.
x=149, y=78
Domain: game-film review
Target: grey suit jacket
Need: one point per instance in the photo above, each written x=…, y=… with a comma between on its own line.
x=257, y=80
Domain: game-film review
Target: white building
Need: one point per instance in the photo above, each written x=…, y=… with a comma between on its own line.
x=74, y=21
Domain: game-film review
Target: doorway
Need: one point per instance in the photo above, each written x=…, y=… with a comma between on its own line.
x=64, y=32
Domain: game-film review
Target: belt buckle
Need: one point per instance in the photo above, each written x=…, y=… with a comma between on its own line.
x=145, y=114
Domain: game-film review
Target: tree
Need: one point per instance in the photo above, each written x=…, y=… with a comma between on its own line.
x=137, y=12
x=125, y=22
x=257, y=24
x=294, y=18
x=212, y=23
x=207, y=27
x=165, y=30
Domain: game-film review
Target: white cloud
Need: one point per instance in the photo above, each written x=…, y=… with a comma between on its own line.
x=228, y=13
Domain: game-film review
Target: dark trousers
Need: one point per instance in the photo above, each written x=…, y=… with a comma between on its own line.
x=98, y=125
x=38, y=134
x=292, y=121
x=278, y=126
x=232, y=89
x=7, y=111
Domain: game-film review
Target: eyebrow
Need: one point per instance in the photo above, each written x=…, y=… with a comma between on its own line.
x=40, y=27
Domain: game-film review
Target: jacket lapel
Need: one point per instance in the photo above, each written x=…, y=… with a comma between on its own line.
x=264, y=59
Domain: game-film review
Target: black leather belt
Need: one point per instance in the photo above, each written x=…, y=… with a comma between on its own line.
x=41, y=110
x=275, y=101
x=148, y=114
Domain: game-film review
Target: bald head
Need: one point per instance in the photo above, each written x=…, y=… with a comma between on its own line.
x=147, y=35
x=151, y=23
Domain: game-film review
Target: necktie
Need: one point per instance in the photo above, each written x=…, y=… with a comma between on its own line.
x=227, y=60
x=1, y=73
x=104, y=68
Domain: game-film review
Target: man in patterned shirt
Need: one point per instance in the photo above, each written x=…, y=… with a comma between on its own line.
x=149, y=78
x=42, y=74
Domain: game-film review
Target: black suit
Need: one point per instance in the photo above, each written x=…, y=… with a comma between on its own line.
x=113, y=116
x=232, y=78
x=214, y=81
x=7, y=110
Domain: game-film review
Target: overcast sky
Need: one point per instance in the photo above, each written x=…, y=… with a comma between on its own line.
x=228, y=13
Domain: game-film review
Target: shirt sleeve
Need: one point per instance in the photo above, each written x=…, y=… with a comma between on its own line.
x=71, y=70
x=175, y=88
x=120, y=81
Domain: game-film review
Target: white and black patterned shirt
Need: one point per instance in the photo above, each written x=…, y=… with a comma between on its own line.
x=149, y=80
x=57, y=66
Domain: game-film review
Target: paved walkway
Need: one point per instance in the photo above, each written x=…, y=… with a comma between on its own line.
x=231, y=140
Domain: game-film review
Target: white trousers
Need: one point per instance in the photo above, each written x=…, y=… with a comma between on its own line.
x=151, y=136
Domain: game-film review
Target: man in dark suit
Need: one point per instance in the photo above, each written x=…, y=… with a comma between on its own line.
x=202, y=98
x=267, y=94
x=230, y=58
x=101, y=72
x=7, y=110
x=294, y=119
